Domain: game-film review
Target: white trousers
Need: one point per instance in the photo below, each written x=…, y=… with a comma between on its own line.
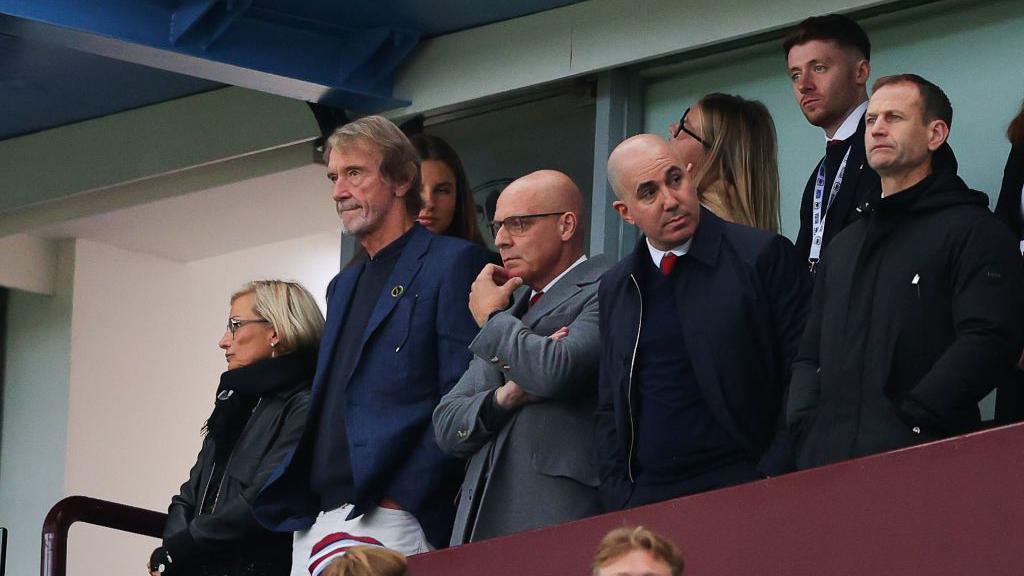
x=332, y=534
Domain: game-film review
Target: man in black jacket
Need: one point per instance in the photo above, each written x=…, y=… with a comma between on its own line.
x=917, y=313
x=828, y=59
x=700, y=325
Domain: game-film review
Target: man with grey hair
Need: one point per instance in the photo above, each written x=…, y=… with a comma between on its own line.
x=367, y=469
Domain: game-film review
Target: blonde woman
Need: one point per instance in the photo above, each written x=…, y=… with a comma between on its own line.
x=730, y=143
x=270, y=344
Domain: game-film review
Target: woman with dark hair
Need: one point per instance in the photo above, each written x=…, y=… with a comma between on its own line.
x=730, y=143
x=270, y=346
x=448, y=206
x=1010, y=205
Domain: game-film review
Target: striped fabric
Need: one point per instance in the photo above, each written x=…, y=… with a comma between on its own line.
x=333, y=546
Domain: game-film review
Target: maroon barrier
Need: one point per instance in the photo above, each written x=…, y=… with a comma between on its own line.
x=73, y=509
x=951, y=507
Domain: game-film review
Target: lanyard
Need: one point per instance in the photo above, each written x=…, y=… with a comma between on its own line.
x=818, y=213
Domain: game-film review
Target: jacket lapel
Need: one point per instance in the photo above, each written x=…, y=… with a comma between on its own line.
x=397, y=286
x=587, y=272
x=847, y=199
x=337, y=308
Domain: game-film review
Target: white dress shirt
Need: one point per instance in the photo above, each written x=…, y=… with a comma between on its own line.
x=849, y=126
x=657, y=255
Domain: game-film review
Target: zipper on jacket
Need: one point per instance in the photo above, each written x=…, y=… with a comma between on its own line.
x=629, y=390
x=220, y=486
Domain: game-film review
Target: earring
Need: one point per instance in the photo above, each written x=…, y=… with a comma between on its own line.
x=273, y=349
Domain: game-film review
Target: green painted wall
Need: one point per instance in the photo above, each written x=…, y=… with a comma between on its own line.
x=974, y=51
x=34, y=437
x=147, y=141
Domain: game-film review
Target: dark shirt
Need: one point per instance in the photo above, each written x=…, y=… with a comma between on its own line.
x=331, y=476
x=677, y=435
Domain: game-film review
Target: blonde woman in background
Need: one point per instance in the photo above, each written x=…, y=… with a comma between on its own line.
x=270, y=346
x=731, y=144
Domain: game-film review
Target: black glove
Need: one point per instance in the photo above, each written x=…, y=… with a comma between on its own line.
x=160, y=561
x=176, y=557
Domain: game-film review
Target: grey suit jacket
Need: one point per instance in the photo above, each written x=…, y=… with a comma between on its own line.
x=540, y=466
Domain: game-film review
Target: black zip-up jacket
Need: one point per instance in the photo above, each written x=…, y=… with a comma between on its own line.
x=742, y=301
x=229, y=537
x=917, y=314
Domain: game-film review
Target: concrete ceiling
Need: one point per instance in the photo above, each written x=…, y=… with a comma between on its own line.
x=219, y=220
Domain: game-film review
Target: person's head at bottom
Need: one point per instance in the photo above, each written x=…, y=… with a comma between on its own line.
x=367, y=561
x=636, y=551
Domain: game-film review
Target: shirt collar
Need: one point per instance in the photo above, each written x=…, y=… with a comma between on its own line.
x=657, y=255
x=578, y=261
x=849, y=126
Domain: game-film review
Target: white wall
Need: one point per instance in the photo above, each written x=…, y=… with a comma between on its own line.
x=35, y=409
x=127, y=367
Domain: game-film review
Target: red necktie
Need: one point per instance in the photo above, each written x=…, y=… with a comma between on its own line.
x=834, y=142
x=668, y=261
x=535, y=297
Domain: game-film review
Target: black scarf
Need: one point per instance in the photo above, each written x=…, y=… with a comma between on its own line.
x=240, y=390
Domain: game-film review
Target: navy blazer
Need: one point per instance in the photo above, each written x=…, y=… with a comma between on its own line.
x=414, y=349
x=742, y=301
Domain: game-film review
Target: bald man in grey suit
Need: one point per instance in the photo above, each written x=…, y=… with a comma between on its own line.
x=523, y=413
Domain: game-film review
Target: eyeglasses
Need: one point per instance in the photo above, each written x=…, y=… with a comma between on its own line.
x=234, y=323
x=517, y=225
x=681, y=127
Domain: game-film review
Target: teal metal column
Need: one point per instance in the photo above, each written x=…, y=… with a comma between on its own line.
x=619, y=115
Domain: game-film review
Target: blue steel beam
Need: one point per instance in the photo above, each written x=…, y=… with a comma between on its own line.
x=227, y=41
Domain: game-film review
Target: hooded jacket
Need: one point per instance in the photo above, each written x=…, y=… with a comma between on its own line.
x=916, y=316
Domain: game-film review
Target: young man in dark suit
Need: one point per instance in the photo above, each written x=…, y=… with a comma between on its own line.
x=699, y=327
x=367, y=468
x=828, y=58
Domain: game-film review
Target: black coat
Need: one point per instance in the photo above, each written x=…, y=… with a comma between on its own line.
x=228, y=539
x=860, y=184
x=1008, y=204
x=1010, y=398
x=743, y=301
x=917, y=314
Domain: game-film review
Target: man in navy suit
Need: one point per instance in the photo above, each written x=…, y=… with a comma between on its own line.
x=367, y=469
x=829, y=60
x=700, y=325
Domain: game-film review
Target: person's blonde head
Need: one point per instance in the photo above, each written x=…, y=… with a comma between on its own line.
x=290, y=309
x=367, y=561
x=741, y=167
x=622, y=541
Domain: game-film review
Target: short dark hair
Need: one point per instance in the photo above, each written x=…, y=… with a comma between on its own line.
x=934, y=102
x=837, y=28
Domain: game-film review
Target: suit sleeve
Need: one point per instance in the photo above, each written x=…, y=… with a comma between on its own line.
x=549, y=369
x=805, y=382
x=788, y=283
x=988, y=320
x=458, y=427
x=233, y=519
x=455, y=325
x=803, y=237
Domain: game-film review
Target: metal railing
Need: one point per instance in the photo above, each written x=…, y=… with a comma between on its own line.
x=91, y=511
